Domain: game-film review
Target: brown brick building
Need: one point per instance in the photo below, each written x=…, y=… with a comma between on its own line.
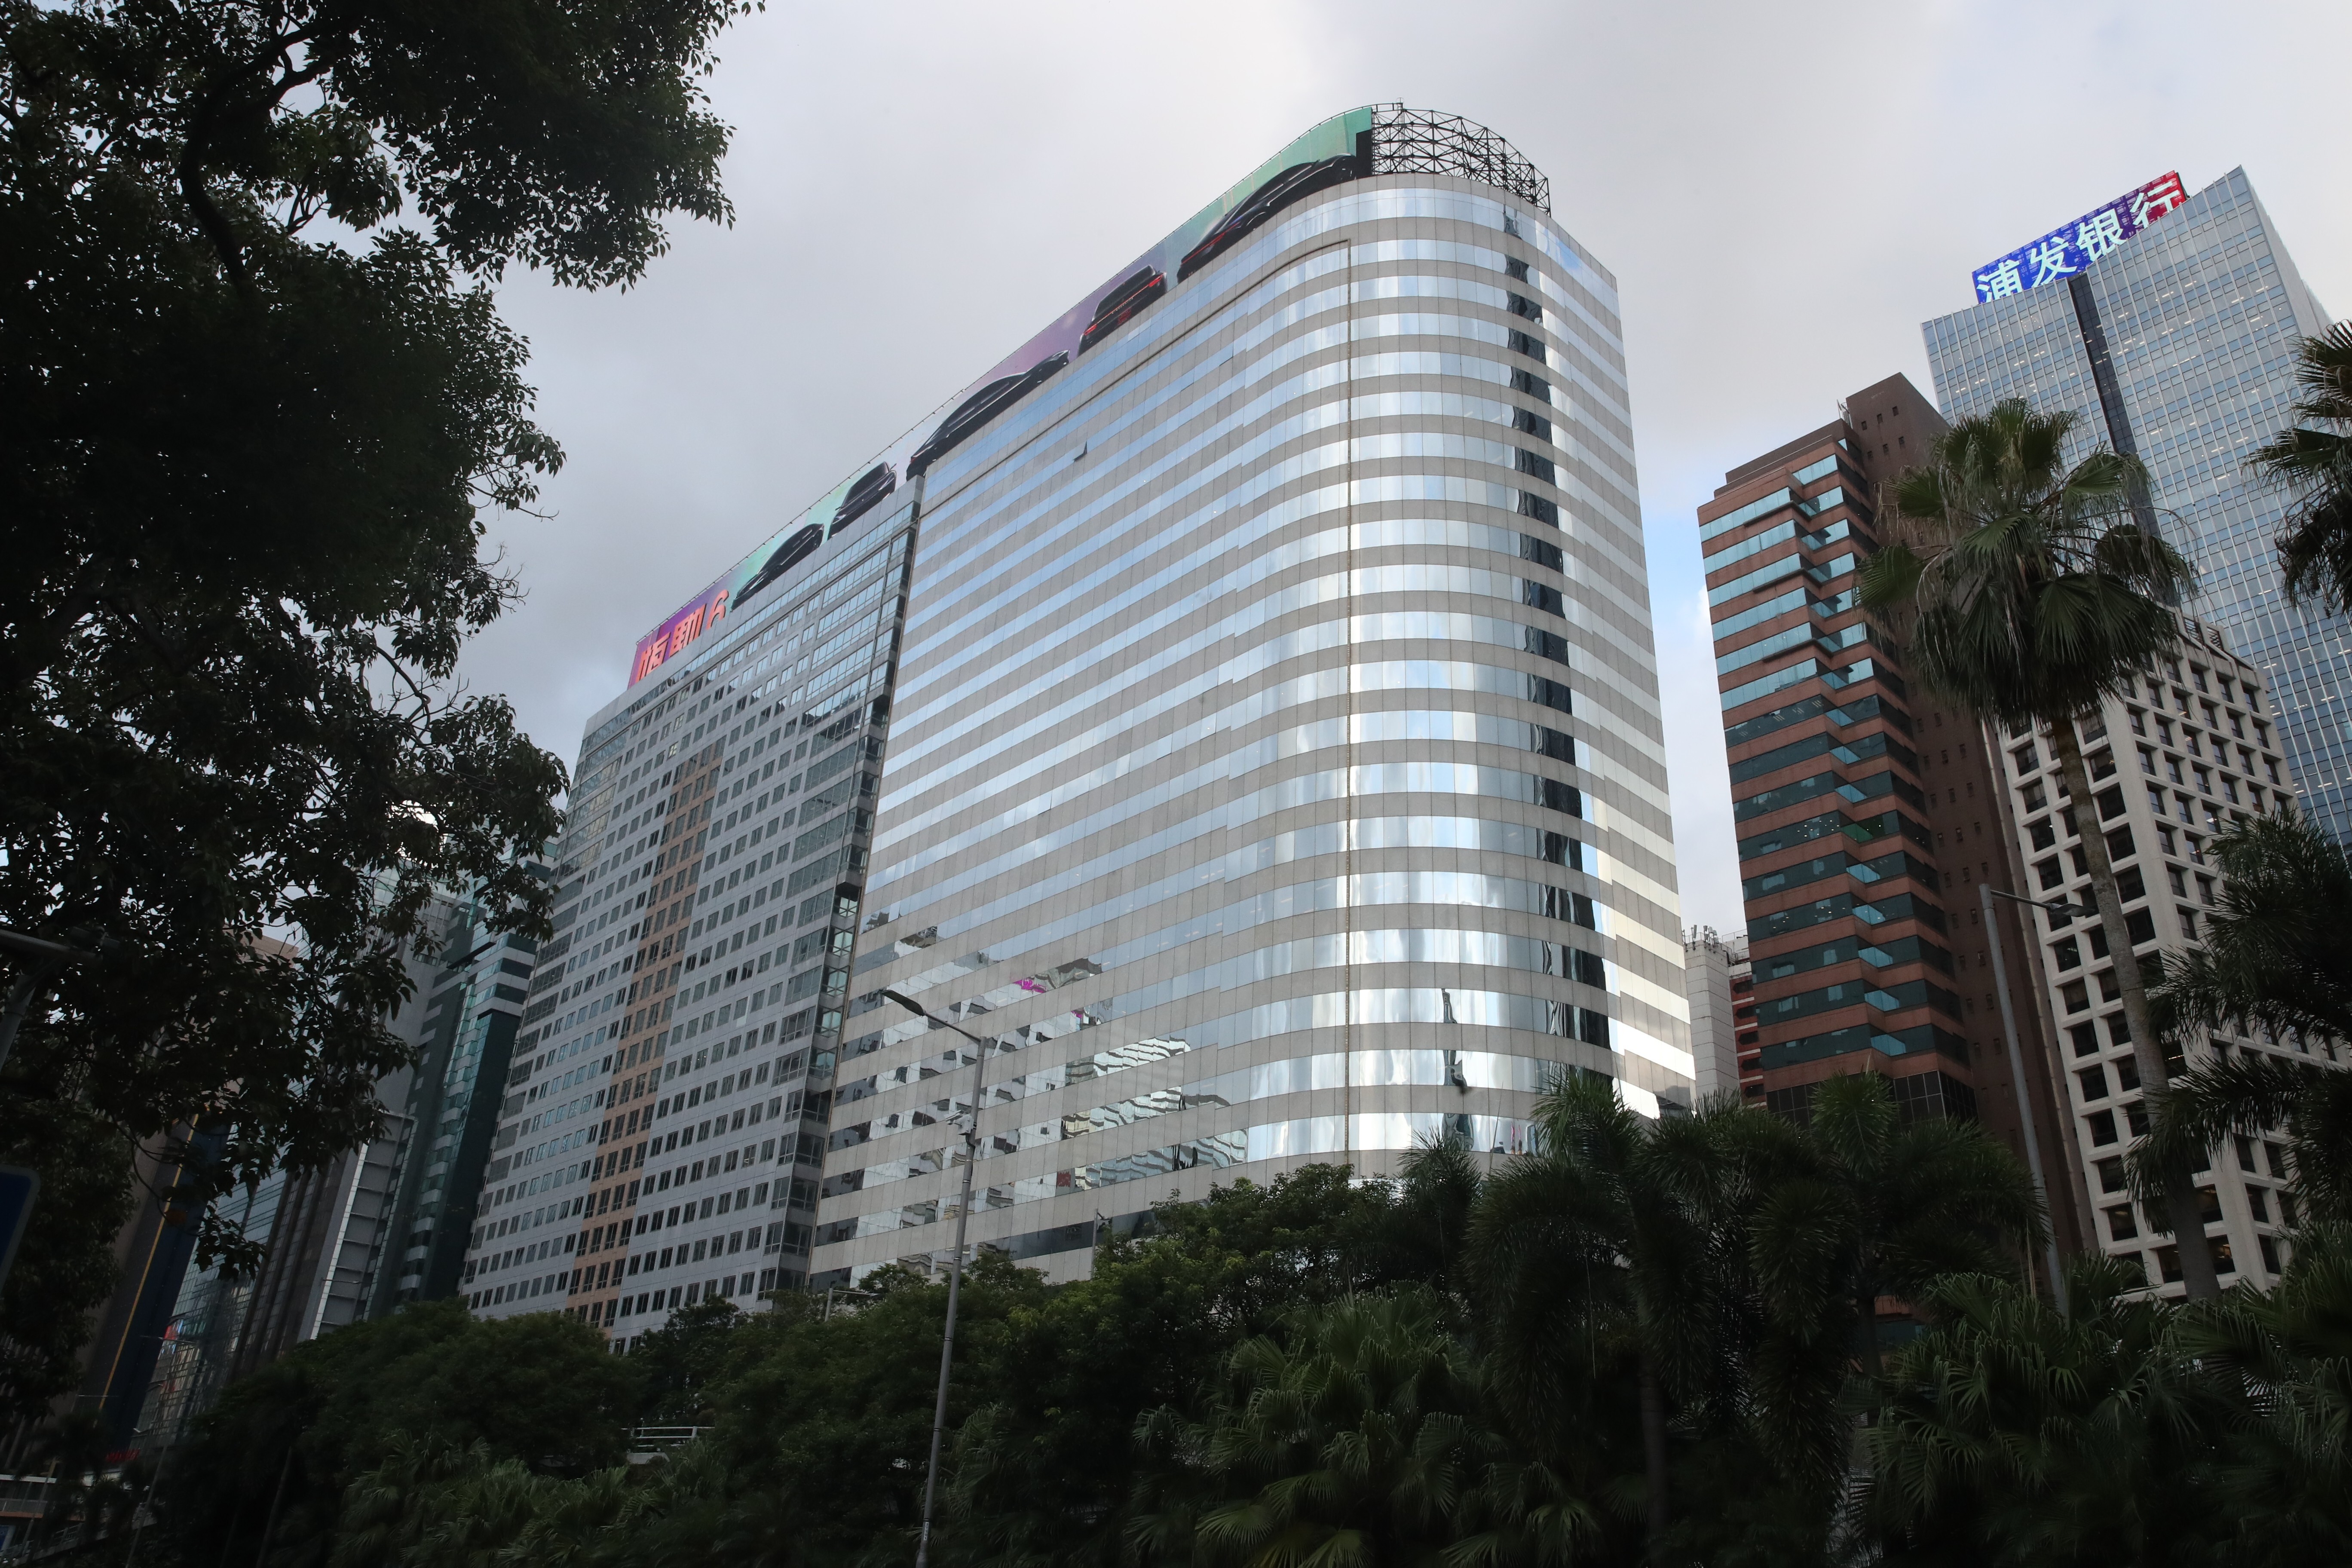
x=1867, y=813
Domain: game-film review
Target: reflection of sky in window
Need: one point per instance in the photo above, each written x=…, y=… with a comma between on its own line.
x=2202, y=316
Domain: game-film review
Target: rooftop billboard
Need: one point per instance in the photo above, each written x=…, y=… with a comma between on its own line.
x=2062, y=252
x=1337, y=150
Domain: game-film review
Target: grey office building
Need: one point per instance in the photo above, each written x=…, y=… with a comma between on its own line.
x=1239, y=710
x=2179, y=344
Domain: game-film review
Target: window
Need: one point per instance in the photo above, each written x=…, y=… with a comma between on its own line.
x=2102, y=1124
x=2075, y=998
x=2027, y=760
x=2112, y=1178
x=2087, y=1039
x=2034, y=797
x=2147, y=760
x=2043, y=834
x=2258, y=1202
x=2180, y=880
x=2120, y=1224
x=2067, y=953
x=2094, y=1080
x=2049, y=872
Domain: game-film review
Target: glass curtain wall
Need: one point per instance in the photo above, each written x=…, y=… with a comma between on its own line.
x=1275, y=769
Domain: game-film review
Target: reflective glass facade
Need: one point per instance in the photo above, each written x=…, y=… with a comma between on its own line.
x=1241, y=712
x=442, y=1134
x=660, y=1137
x=2180, y=344
x=1274, y=769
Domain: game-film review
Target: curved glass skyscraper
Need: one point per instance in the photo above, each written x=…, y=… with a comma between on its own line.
x=1275, y=768
x=1238, y=710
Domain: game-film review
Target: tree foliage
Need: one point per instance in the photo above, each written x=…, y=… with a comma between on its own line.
x=2313, y=460
x=2127, y=1430
x=2277, y=958
x=413, y=1389
x=2027, y=592
x=259, y=396
x=1290, y=1375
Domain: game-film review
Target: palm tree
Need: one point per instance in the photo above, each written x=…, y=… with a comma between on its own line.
x=2315, y=551
x=1352, y=1445
x=2278, y=950
x=2247, y=1095
x=2014, y=1434
x=2026, y=595
x=2285, y=1479
x=2277, y=955
x=1869, y=1205
x=1436, y=1191
x=1592, y=1234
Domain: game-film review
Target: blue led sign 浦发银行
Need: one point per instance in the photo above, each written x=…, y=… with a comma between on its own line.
x=2063, y=252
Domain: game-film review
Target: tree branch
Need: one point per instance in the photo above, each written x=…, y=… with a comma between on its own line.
x=190, y=170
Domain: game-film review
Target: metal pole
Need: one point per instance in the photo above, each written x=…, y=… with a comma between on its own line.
x=47, y=958
x=1985, y=893
x=955, y=1270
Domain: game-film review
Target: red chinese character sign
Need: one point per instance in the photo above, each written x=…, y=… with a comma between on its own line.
x=674, y=636
x=1335, y=151
x=2062, y=252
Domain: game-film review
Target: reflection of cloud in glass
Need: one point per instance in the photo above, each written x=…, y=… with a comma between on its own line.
x=1010, y=378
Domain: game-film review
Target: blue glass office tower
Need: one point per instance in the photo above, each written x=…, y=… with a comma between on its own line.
x=2179, y=344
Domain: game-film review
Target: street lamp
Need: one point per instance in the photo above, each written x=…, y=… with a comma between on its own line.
x=955, y=1264
x=43, y=960
x=1987, y=892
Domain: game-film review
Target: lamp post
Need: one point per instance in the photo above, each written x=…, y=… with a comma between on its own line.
x=955, y=1264
x=1986, y=893
x=42, y=959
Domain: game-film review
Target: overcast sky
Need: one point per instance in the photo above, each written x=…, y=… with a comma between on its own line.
x=1784, y=192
